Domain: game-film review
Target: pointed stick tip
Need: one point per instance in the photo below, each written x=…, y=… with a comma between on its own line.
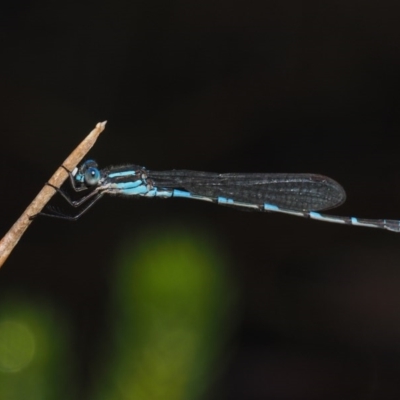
x=101, y=125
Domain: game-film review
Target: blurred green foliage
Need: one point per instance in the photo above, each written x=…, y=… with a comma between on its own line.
x=34, y=357
x=172, y=295
x=169, y=318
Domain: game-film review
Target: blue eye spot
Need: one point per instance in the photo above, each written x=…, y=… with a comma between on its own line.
x=92, y=176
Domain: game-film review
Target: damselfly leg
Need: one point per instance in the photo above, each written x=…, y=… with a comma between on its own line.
x=91, y=198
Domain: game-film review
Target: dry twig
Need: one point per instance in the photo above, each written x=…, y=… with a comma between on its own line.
x=12, y=237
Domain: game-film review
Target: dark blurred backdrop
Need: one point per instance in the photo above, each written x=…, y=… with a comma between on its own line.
x=250, y=86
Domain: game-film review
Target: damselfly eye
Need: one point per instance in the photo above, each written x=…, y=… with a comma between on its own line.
x=92, y=176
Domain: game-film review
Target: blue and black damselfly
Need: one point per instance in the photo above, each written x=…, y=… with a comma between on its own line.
x=302, y=195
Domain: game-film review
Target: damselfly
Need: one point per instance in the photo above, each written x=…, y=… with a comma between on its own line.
x=302, y=195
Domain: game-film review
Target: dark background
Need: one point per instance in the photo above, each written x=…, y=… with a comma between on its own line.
x=250, y=86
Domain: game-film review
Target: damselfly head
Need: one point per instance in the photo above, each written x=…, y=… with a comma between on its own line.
x=88, y=173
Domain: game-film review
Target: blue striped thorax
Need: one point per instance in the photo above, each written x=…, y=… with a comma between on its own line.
x=125, y=180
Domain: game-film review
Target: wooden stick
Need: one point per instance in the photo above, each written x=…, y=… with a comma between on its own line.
x=12, y=237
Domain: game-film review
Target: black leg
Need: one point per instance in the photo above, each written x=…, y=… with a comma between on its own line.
x=68, y=217
x=73, y=203
x=72, y=181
